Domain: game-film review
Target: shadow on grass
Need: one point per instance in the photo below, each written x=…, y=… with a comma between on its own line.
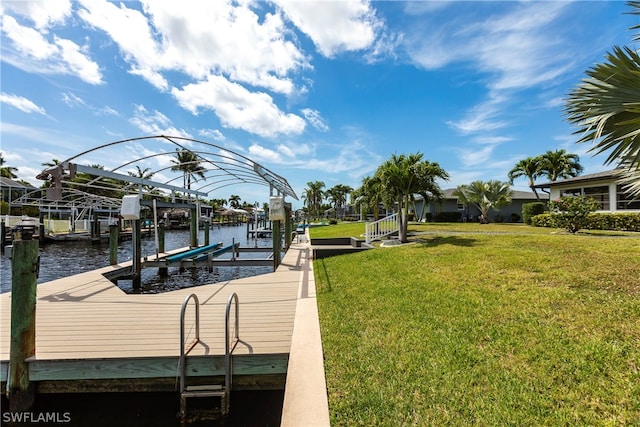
x=448, y=240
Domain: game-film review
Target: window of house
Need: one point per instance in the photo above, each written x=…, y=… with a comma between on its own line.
x=571, y=192
x=460, y=205
x=625, y=201
x=600, y=194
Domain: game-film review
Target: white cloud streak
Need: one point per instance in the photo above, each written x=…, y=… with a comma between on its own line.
x=21, y=103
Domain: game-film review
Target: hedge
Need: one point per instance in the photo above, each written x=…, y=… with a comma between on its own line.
x=529, y=210
x=597, y=221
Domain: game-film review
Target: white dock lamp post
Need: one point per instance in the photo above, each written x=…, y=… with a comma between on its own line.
x=130, y=209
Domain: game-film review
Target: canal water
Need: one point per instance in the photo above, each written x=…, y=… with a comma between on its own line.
x=62, y=259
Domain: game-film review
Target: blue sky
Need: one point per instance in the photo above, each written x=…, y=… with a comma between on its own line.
x=312, y=90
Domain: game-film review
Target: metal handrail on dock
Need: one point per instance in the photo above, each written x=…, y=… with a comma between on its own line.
x=224, y=392
x=183, y=353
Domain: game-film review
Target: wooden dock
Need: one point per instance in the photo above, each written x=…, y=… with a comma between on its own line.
x=91, y=336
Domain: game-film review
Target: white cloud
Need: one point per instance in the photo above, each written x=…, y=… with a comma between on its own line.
x=212, y=133
x=72, y=100
x=258, y=152
x=236, y=107
x=316, y=120
x=155, y=123
x=130, y=30
x=517, y=47
x=480, y=118
x=42, y=13
x=21, y=103
x=334, y=26
x=62, y=56
x=27, y=40
x=200, y=38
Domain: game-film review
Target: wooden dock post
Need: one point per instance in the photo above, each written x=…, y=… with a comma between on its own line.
x=24, y=267
x=137, y=253
x=194, y=228
x=3, y=236
x=41, y=228
x=276, y=238
x=162, y=271
x=114, y=237
x=206, y=233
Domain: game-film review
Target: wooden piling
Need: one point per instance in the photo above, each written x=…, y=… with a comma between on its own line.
x=114, y=237
x=194, y=228
x=3, y=236
x=276, y=238
x=24, y=267
x=206, y=233
x=137, y=253
x=162, y=271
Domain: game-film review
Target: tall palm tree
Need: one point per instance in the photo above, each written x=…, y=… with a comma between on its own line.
x=529, y=168
x=338, y=197
x=402, y=176
x=560, y=164
x=7, y=171
x=605, y=108
x=485, y=196
x=188, y=163
x=313, y=195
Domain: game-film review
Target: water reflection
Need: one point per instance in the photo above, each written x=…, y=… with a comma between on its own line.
x=64, y=259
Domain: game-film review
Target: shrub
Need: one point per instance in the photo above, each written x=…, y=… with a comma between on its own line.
x=572, y=212
x=499, y=218
x=515, y=217
x=614, y=221
x=542, y=220
x=529, y=210
x=333, y=221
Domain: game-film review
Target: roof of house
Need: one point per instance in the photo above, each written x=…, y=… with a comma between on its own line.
x=609, y=174
x=6, y=182
x=516, y=195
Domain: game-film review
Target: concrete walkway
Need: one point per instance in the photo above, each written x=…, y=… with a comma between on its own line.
x=305, y=398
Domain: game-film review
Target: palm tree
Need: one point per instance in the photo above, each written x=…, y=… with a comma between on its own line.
x=188, y=163
x=368, y=196
x=54, y=162
x=234, y=201
x=605, y=109
x=313, y=196
x=530, y=168
x=144, y=174
x=559, y=164
x=485, y=196
x=338, y=197
x=402, y=176
x=7, y=171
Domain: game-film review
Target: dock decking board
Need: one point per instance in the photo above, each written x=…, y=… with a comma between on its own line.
x=89, y=329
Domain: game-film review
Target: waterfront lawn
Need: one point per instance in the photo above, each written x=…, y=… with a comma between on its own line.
x=483, y=329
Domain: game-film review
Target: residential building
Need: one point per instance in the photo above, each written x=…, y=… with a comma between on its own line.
x=603, y=186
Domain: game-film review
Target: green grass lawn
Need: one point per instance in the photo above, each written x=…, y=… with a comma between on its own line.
x=499, y=325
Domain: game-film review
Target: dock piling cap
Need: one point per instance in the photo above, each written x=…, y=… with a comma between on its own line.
x=25, y=229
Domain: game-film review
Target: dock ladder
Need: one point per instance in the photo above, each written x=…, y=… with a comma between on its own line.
x=223, y=391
